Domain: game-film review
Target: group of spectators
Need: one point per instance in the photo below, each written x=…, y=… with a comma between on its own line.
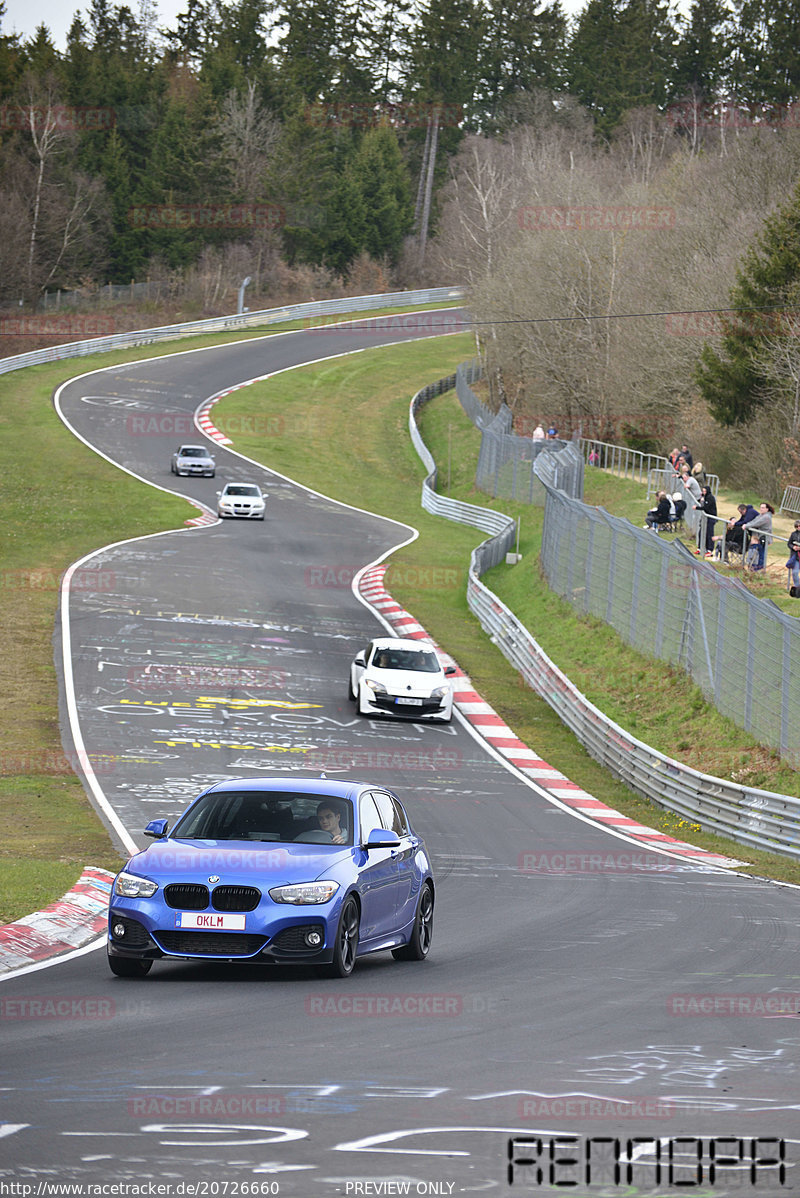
x=540, y=435
x=748, y=535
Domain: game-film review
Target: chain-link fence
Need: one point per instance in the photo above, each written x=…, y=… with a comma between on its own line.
x=742, y=651
x=511, y=466
x=753, y=817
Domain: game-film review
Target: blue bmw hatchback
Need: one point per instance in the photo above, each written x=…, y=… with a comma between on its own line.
x=288, y=871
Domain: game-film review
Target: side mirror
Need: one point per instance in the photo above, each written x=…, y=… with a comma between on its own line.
x=157, y=828
x=450, y=669
x=360, y=660
x=382, y=838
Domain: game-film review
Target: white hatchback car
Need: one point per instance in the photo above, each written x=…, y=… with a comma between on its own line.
x=393, y=676
x=242, y=499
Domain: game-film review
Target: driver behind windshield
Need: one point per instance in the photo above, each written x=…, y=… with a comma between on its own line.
x=330, y=822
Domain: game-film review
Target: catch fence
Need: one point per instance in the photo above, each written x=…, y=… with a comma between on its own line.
x=666, y=602
x=742, y=651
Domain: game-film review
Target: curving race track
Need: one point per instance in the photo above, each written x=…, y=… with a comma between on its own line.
x=657, y=1003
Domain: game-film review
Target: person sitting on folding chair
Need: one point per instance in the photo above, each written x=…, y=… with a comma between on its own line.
x=659, y=514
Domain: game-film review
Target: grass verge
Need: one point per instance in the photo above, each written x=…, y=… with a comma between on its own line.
x=59, y=502
x=320, y=405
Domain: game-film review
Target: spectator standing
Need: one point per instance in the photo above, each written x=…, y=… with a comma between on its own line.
x=691, y=485
x=707, y=504
x=673, y=458
x=760, y=531
x=793, y=564
x=552, y=434
x=686, y=455
x=538, y=433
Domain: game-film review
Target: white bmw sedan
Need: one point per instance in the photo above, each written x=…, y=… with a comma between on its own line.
x=242, y=499
x=398, y=677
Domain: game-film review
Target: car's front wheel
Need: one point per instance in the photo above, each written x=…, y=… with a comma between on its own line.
x=419, y=945
x=351, y=694
x=129, y=967
x=346, y=947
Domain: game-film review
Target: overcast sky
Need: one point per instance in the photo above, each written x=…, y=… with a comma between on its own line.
x=24, y=17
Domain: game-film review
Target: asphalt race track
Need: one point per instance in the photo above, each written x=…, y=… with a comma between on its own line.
x=644, y=1013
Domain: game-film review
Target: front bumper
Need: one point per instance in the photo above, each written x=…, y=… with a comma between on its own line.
x=403, y=706
x=283, y=943
x=242, y=513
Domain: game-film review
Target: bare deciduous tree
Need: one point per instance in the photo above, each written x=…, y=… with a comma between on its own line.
x=250, y=134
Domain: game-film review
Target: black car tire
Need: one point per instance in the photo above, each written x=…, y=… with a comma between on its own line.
x=419, y=945
x=351, y=694
x=346, y=946
x=129, y=967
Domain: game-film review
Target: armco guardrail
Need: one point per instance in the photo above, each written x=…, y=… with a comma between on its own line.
x=222, y=324
x=502, y=527
x=758, y=818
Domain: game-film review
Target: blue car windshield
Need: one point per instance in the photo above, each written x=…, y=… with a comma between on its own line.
x=268, y=816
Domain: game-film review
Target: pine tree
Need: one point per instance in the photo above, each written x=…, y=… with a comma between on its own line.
x=702, y=52
x=621, y=57
x=766, y=52
x=734, y=382
x=382, y=180
x=523, y=50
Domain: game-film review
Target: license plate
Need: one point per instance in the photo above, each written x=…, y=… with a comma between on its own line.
x=209, y=921
x=410, y=702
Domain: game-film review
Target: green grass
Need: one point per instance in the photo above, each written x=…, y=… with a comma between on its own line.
x=344, y=431
x=317, y=406
x=72, y=502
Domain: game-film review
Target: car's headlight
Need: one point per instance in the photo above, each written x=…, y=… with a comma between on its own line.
x=304, y=893
x=377, y=687
x=441, y=692
x=129, y=886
